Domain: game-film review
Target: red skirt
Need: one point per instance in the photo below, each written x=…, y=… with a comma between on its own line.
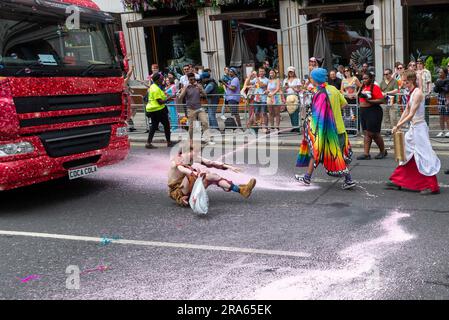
x=409, y=177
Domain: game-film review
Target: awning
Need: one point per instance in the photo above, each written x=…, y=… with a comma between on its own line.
x=240, y=15
x=422, y=2
x=155, y=21
x=333, y=8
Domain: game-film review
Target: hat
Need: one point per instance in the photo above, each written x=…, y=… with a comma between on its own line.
x=205, y=75
x=233, y=70
x=312, y=59
x=291, y=69
x=319, y=75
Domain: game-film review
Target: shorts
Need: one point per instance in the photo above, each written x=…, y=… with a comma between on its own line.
x=371, y=118
x=260, y=107
x=234, y=106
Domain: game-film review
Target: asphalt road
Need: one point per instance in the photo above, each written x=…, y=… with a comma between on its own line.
x=285, y=242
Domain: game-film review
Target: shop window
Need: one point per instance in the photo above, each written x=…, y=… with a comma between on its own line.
x=176, y=46
x=350, y=41
x=428, y=32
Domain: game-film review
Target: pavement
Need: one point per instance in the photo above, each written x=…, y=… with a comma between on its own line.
x=285, y=242
x=286, y=138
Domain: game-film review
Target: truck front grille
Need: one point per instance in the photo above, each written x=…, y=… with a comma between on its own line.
x=73, y=141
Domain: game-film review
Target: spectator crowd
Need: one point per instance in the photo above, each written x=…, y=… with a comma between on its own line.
x=264, y=95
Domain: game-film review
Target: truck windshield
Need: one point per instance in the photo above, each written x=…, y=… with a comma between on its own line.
x=29, y=48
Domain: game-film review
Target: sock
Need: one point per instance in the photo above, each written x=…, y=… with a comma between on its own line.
x=348, y=178
x=234, y=188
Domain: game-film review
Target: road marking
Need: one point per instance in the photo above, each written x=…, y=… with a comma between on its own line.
x=157, y=244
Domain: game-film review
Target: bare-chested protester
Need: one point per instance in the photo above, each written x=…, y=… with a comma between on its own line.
x=182, y=177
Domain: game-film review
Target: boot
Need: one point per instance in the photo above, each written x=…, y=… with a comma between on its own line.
x=245, y=189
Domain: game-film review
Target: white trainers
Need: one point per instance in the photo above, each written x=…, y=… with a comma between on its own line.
x=441, y=134
x=223, y=117
x=447, y=135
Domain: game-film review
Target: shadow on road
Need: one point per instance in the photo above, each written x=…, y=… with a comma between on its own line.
x=48, y=194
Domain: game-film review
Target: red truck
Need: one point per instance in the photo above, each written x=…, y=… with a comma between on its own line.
x=63, y=108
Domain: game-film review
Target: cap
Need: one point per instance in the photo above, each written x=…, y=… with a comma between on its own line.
x=291, y=69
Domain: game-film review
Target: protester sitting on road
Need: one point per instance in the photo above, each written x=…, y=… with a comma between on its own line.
x=192, y=94
x=157, y=110
x=211, y=88
x=442, y=88
x=182, y=176
x=292, y=87
x=371, y=115
x=260, y=98
x=274, y=101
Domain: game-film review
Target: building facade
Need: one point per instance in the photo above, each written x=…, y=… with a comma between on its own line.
x=379, y=32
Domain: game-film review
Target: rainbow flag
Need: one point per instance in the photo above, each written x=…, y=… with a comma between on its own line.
x=321, y=141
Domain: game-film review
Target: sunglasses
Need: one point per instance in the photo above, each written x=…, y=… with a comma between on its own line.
x=400, y=67
x=365, y=78
x=346, y=70
x=386, y=74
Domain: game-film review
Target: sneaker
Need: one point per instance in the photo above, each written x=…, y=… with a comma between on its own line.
x=381, y=155
x=150, y=146
x=171, y=144
x=132, y=129
x=223, y=117
x=303, y=180
x=348, y=185
x=246, y=189
x=441, y=134
x=364, y=157
x=446, y=135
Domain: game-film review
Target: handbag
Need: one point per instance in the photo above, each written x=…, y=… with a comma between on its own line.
x=199, y=200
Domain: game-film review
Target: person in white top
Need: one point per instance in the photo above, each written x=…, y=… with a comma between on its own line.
x=292, y=87
x=419, y=170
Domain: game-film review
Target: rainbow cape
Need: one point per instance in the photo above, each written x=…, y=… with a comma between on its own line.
x=321, y=138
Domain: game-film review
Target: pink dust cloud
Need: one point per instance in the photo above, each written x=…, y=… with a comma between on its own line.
x=355, y=280
x=150, y=170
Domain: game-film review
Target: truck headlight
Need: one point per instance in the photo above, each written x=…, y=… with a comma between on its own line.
x=122, y=132
x=12, y=149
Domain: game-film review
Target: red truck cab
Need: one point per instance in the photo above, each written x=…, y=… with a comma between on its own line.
x=63, y=108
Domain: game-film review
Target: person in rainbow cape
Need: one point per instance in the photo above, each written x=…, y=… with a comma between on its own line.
x=325, y=138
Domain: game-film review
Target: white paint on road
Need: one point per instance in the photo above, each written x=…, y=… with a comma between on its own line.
x=157, y=244
x=359, y=278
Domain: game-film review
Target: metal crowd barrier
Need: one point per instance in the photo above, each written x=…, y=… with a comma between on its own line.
x=179, y=120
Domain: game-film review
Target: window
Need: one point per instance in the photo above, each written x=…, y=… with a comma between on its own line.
x=428, y=32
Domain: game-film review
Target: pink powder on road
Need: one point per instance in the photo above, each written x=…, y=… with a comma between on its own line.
x=351, y=280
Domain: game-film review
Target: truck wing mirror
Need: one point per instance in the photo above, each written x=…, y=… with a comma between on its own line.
x=120, y=41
